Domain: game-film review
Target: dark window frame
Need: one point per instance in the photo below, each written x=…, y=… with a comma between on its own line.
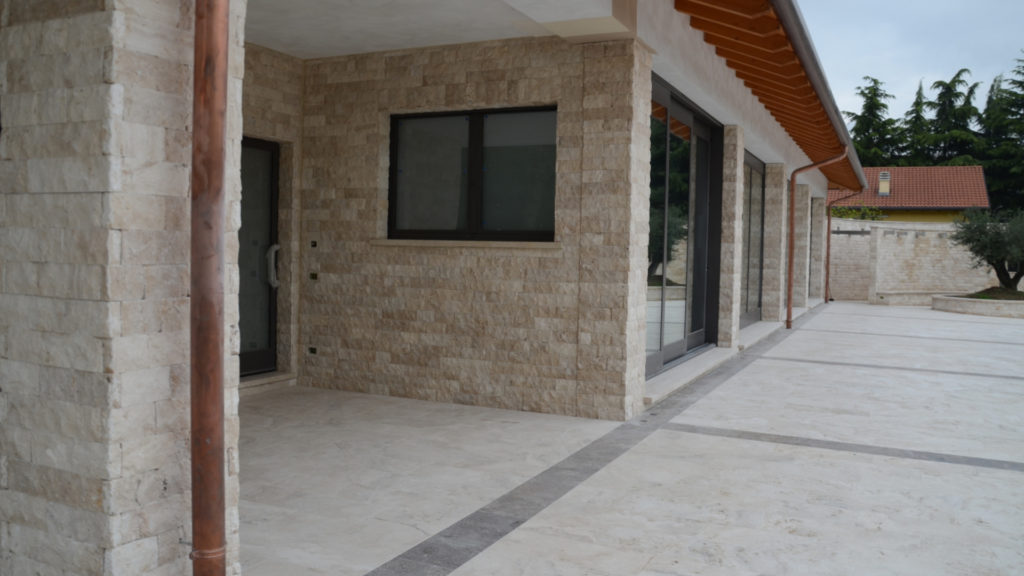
x=474, y=218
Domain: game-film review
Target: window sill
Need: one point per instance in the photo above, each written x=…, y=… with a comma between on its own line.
x=489, y=244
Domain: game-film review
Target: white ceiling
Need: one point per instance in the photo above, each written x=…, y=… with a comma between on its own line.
x=322, y=28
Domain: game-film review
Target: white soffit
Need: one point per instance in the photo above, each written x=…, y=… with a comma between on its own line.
x=324, y=28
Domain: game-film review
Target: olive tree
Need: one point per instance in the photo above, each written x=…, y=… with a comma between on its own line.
x=995, y=239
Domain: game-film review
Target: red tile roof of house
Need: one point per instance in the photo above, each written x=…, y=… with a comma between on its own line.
x=920, y=187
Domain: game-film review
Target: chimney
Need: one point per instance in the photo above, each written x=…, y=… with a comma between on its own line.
x=883, y=183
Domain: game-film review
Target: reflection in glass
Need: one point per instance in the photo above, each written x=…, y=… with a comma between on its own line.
x=254, y=239
x=677, y=225
x=519, y=171
x=656, y=237
x=432, y=173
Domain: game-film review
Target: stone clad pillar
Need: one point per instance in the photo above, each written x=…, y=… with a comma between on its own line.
x=801, y=245
x=819, y=238
x=729, y=299
x=614, y=229
x=94, y=313
x=776, y=201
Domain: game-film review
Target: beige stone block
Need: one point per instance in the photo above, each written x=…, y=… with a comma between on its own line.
x=59, y=486
x=75, y=386
x=35, y=547
x=75, y=351
x=160, y=247
x=141, y=351
x=166, y=39
x=138, y=557
x=141, y=176
x=22, y=11
x=95, y=103
x=145, y=453
x=65, y=419
x=95, y=459
x=59, y=315
x=84, y=174
x=55, y=211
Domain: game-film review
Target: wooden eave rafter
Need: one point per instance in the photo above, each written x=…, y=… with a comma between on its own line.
x=752, y=39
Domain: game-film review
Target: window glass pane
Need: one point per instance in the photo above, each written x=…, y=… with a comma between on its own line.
x=433, y=173
x=753, y=292
x=656, y=235
x=519, y=171
x=677, y=230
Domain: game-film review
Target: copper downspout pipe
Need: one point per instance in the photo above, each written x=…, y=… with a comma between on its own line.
x=792, y=234
x=828, y=246
x=209, y=112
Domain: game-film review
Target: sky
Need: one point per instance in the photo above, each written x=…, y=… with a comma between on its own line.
x=902, y=42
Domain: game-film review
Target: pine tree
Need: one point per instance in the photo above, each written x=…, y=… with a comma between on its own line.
x=916, y=132
x=954, y=142
x=875, y=135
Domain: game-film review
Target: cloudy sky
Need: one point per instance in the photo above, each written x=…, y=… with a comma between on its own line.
x=902, y=42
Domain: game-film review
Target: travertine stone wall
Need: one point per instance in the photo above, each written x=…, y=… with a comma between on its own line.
x=729, y=300
x=819, y=238
x=910, y=262
x=801, y=244
x=94, y=177
x=850, y=274
x=552, y=327
x=272, y=110
x=900, y=263
x=776, y=217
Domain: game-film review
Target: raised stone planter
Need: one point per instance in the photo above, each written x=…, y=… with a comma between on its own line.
x=977, y=306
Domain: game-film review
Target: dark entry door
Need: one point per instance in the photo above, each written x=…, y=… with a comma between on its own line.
x=257, y=257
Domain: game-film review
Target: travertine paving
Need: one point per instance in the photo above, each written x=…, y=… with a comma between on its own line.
x=870, y=440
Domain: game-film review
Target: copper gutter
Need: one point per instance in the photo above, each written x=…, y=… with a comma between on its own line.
x=209, y=111
x=790, y=250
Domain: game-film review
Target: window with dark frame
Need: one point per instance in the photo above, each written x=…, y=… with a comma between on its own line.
x=477, y=175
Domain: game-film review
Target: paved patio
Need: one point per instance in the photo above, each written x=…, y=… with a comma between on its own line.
x=869, y=440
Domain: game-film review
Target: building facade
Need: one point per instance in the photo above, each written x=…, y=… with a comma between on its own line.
x=523, y=205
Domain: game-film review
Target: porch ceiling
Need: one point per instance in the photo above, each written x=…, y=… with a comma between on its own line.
x=325, y=28
x=765, y=43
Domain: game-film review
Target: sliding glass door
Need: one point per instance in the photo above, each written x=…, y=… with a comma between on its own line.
x=678, y=245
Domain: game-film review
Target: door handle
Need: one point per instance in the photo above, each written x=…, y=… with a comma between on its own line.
x=272, y=265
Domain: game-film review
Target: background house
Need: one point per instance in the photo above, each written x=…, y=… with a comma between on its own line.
x=918, y=193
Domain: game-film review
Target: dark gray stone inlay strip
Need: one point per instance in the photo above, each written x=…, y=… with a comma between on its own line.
x=848, y=447
x=449, y=549
x=902, y=368
x=908, y=336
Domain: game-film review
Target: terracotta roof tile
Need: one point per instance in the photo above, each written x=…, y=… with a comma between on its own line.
x=916, y=187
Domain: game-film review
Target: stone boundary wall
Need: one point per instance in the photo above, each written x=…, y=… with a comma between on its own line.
x=900, y=263
x=553, y=328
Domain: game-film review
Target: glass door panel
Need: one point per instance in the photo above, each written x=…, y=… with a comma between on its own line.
x=257, y=294
x=677, y=227
x=656, y=235
x=697, y=287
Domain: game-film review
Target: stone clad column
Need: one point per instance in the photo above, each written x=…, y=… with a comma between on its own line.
x=776, y=201
x=729, y=299
x=613, y=229
x=819, y=238
x=94, y=313
x=801, y=245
